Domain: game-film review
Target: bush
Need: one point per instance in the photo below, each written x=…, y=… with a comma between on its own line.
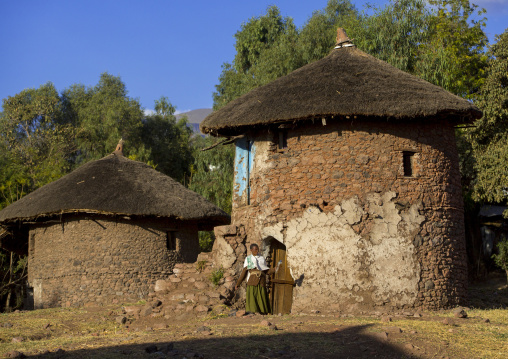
x=206, y=240
x=501, y=258
x=216, y=276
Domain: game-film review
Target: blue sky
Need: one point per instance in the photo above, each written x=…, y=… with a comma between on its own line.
x=159, y=48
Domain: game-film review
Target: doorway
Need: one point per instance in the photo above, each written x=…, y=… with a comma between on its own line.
x=282, y=283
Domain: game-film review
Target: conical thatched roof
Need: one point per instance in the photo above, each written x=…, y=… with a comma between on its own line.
x=347, y=82
x=115, y=185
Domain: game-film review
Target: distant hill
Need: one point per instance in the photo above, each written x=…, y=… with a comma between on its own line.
x=195, y=117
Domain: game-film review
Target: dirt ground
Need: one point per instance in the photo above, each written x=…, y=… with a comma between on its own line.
x=97, y=333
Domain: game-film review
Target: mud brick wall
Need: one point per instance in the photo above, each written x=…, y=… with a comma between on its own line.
x=359, y=232
x=99, y=259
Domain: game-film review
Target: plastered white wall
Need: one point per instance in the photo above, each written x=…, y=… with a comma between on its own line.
x=330, y=260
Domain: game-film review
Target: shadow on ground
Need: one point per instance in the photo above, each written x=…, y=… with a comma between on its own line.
x=351, y=342
x=490, y=292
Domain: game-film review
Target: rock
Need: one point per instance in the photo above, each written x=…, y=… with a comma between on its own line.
x=451, y=330
x=175, y=280
x=213, y=294
x=161, y=285
x=407, y=314
x=151, y=349
x=156, y=303
x=160, y=326
x=393, y=330
x=447, y=321
x=146, y=310
x=409, y=346
x=132, y=310
x=201, y=309
x=121, y=319
x=265, y=323
x=429, y=285
x=15, y=354
x=203, y=329
x=17, y=339
x=229, y=279
x=459, y=313
x=486, y=320
x=203, y=299
x=386, y=319
x=200, y=285
x=417, y=315
x=315, y=311
x=240, y=313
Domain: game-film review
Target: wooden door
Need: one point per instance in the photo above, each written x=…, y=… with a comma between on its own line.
x=282, y=283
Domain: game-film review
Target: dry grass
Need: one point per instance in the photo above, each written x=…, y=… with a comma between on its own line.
x=94, y=333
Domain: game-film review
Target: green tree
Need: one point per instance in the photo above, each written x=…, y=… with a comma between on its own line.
x=35, y=150
x=395, y=33
x=263, y=53
x=490, y=137
x=102, y=115
x=318, y=35
x=36, y=146
x=168, y=141
x=453, y=56
x=212, y=177
x=212, y=172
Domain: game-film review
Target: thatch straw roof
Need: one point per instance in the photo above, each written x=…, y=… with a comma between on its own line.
x=347, y=82
x=115, y=185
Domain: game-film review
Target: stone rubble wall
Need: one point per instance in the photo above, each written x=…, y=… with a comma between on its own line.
x=359, y=234
x=97, y=259
x=188, y=292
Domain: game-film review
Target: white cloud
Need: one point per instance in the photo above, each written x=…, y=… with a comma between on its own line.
x=148, y=112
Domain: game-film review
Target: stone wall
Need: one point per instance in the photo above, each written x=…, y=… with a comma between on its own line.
x=358, y=232
x=102, y=259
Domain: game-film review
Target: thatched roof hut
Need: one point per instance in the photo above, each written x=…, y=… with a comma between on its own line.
x=347, y=82
x=106, y=231
x=347, y=171
x=115, y=185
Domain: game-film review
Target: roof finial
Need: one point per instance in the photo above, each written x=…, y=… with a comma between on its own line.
x=119, y=148
x=342, y=39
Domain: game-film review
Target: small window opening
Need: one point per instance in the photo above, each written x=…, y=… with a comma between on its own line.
x=283, y=140
x=407, y=158
x=171, y=240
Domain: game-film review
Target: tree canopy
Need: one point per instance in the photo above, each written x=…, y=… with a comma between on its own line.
x=490, y=137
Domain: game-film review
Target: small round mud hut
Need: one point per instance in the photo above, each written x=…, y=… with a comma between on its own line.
x=105, y=232
x=347, y=170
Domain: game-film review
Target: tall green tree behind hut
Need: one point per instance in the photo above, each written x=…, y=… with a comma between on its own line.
x=168, y=141
x=490, y=137
x=103, y=114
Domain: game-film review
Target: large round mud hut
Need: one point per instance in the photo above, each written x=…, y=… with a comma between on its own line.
x=347, y=170
x=106, y=231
